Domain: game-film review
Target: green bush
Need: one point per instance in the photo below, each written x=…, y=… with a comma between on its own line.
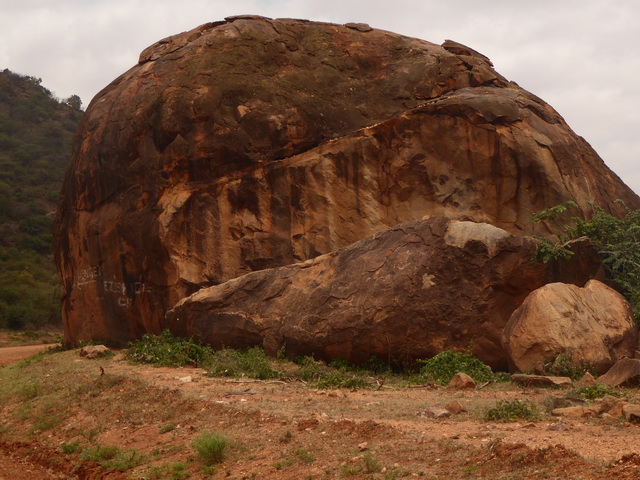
x=251, y=362
x=511, y=411
x=445, y=365
x=168, y=350
x=210, y=447
x=563, y=365
x=594, y=391
x=617, y=241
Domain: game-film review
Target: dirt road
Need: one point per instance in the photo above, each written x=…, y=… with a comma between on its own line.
x=14, y=354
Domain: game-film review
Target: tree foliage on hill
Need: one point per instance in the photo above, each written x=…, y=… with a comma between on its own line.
x=617, y=240
x=36, y=132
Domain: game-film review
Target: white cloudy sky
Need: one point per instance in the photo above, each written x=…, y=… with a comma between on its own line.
x=581, y=56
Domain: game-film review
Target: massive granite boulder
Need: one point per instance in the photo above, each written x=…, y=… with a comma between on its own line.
x=410, y=292
x=254, y=143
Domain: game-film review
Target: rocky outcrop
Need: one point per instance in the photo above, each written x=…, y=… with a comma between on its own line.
x=593, y=325
x=255, y=143
x=408, y=293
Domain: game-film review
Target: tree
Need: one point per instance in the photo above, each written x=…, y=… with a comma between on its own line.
x=74, y=102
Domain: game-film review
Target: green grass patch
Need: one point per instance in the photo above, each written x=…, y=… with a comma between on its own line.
x=251, y=362
x=594, y=391
x=511, y=411
x=70, y=448
x=110, y=456
x=210, y=447
x=168, y=350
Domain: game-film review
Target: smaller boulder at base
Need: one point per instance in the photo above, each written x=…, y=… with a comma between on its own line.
x=594, y=325
x=461, y=381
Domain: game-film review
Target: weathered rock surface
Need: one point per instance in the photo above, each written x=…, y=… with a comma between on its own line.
x=410, y=292
x=541, y=380
x=625, y=371
x=631, y=412
x=255, y=143
x=587, y=380
x=461, y=381
x=594, y=325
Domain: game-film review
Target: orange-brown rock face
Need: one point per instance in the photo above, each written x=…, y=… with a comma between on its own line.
x=256, y=143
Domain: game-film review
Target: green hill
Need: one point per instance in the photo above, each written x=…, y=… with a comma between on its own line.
x=36, y=132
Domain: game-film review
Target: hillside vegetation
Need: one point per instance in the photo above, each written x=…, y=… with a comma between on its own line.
x=36, y=132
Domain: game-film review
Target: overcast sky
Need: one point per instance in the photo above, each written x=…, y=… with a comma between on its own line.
x=581, y=56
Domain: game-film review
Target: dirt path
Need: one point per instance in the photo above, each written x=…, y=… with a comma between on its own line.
x=286, y=430
x=14, y=354
x=602, y=440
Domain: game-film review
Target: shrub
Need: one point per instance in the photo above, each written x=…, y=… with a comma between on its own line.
x=338, y=374
x=594, y=391
x=168, y=350
x=252, y=362
x=563, y=365
x=69, y=448
x=510, y=411
x=445, y=365
x=210, y=447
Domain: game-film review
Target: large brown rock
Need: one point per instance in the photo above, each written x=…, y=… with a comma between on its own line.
x=594, y=325
x=256, y=143
x=408, y=293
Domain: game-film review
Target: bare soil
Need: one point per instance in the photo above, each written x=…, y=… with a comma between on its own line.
x=286, y=430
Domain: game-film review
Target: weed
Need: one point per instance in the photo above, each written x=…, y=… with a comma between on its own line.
x=350, y=470
x=304, y=456
x=210, y=447
x=594, y=391
x=251, y=362
x=100, y=453
x=45, y=422
x=90, y=434
x=170, y=471
x=469, y=469
x=29, y=391
x=170, y=427
x=98, y=386
x=338, y=374
x=110, y=456
x=208, y=470
x=168, y=350
x=510, y=411
x=445, y=365
x=371, y=465
x=287, y=437
x=339, y=380
x=502, y=377
x=69, y=448
x=563, y=365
